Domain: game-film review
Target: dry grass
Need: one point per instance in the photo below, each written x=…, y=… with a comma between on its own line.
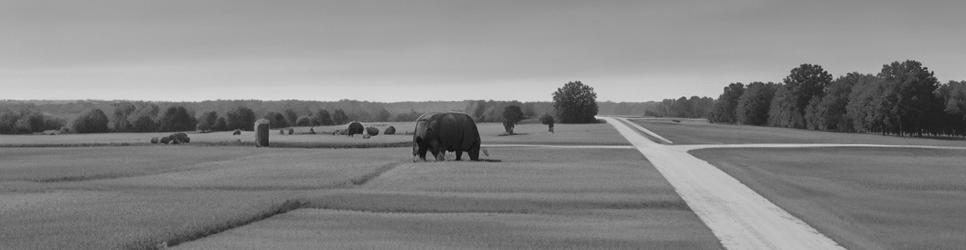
x=147, y=197
x=533, y=199
x=862, y=198
x=702, y=132
x=602, y=134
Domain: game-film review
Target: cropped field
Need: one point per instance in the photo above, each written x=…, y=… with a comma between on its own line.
x=138, y=197
x=110, y=197
x=691, y=131
x=864, y=198
x=572, y=134
x=534, y=198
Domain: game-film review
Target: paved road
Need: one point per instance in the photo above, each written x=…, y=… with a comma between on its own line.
x=737, y=215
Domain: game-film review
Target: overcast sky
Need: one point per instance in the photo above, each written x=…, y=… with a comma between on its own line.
x=398, y=50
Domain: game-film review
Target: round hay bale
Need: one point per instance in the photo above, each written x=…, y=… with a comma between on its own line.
x=179, y=138
x=261, y=133
x=155, y=140
x=372, y=131
x=355, y=128
x=291, y=131
x=390, y=131
x=237, y=132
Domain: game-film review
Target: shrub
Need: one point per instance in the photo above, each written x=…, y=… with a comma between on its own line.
x=92, y=121
x=390, y=131
x=303, y=121
x=575, y=103
x=372, y=131
x=177, y=119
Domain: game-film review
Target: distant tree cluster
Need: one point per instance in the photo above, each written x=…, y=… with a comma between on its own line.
x=493, y=111
x=27, y=122
x=904, y=99
x=693, y=107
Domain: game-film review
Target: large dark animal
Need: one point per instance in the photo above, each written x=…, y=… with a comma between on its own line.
x=441, y=132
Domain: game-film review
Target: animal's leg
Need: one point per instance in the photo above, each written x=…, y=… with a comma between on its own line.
x=422, y=153
x=474, y=154
x=459, y=155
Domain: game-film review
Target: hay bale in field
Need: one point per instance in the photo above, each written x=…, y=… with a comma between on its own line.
x=372, y=131
x=155, y=140
x=390, y=131
x=261, y=133
x=237, y=132
x=291, y=131
x=355, y=128
x=179, y=138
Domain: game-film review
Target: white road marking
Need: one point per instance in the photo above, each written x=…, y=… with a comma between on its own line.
x=737, y=215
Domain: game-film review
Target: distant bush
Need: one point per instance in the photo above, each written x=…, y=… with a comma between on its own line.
x=276, y=120
x=145, y=123
x=27, y=121
x=390, y=131
x=322, y=117
x=92, y=121
x=241, y=118
x=511, y=115
x=303, y=121
x=177, y=119
x=220, y=125
x=207, y=121
x=575, y=102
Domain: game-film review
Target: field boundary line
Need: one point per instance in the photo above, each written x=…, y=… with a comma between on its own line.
x=737, y=215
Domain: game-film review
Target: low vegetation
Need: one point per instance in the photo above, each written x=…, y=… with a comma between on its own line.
x=863, y=198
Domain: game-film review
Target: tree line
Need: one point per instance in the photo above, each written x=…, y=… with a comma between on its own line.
x=904, y=98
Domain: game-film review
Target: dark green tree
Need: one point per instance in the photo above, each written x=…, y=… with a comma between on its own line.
x=207, y=121
x=339, y=117
x=723, y=110
x=323, y=118
x=511, y=116
x=241, y=118
x=803, y=83
x=575, y=103
x=177, y=118
x=752, y=107
x=92, y=121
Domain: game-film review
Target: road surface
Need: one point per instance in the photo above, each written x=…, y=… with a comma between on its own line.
x=737, y=215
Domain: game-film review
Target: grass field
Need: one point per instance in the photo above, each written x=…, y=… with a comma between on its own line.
x=534, y=198
x=863, y=198
x=109, y=197
x=139, y=196
x=597, y=134
x=690, y=131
